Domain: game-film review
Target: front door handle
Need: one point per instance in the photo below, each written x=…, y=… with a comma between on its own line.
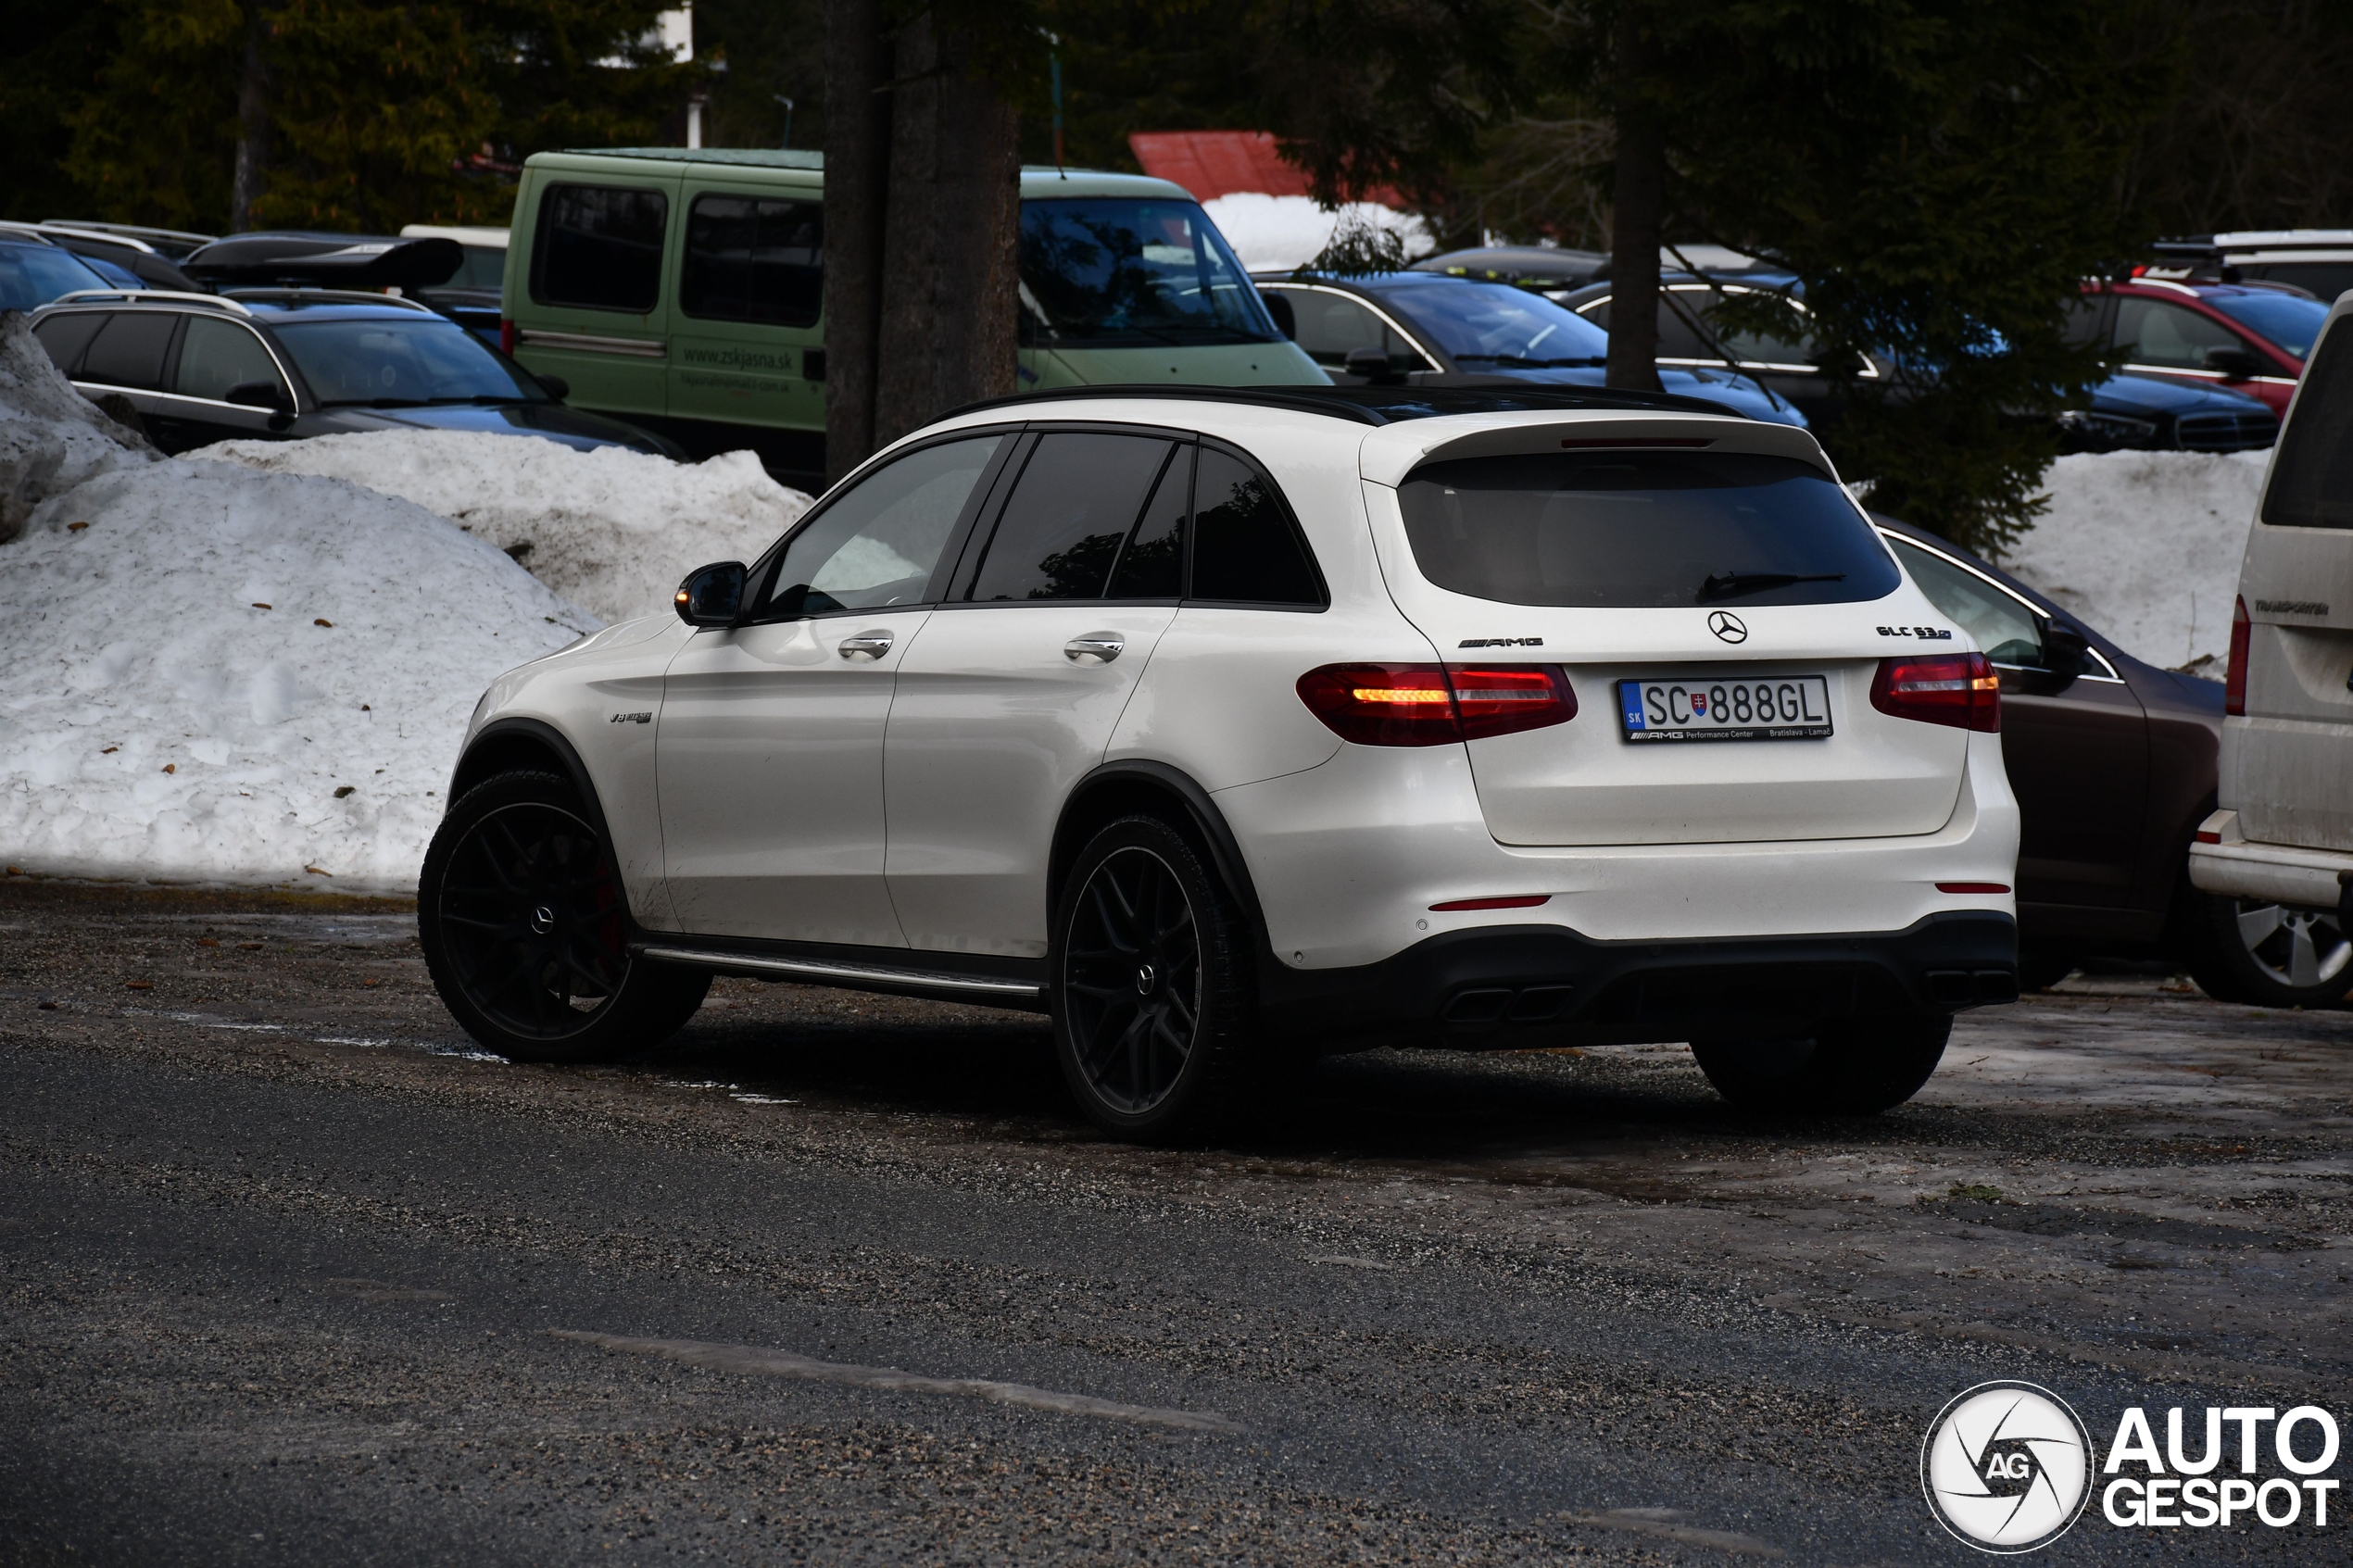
x=1095, y=647
x=866, y=646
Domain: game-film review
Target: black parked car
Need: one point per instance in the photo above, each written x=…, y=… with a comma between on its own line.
x=289, y=363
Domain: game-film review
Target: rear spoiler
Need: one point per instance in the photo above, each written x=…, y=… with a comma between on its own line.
x=347, y=261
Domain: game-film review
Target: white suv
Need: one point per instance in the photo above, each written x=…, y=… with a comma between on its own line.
x=2280, y=852
x=1226, y=726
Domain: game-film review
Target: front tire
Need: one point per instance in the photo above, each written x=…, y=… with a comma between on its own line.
x=2269, y=954
x=1847, y=1067
x=1152, y=993
x=525, y=930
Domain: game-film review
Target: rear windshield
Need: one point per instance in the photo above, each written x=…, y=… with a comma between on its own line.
x=2312, y=477
x=1622, y=530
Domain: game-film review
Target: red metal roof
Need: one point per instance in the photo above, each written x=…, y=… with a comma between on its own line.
x=1217, y=163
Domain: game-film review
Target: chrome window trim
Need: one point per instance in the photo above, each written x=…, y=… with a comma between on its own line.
x=1893, y=538
x=1429, y=363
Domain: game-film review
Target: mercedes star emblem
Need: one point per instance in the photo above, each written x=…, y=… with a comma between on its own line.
x=1727, y=625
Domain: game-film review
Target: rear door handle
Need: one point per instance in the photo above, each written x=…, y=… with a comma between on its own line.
x=1095, y=647
x=866, y=646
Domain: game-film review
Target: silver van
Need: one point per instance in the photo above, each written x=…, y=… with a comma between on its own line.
x=2280, y=851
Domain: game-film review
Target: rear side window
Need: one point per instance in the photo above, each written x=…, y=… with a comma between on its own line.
x=1246, y=548
x=599, y=247
x=2312, y=478
x=1626, y=530
x=217, y=358
x=751, y=259
x=1072, y=509
x=65, y=336
x=128, y=350
x=2004, y=627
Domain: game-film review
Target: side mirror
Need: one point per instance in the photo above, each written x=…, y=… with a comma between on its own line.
x=2236, y=364
x=556, y=387
x=261, y=394
x=1372, y=366
x=2069, y=651
x=712, y=596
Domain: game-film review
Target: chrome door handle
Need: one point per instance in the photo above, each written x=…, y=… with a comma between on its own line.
x=866, y=646
x=1095, y=647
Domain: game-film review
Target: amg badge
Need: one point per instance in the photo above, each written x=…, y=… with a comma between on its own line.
x=631, y=719
x=1501, y=642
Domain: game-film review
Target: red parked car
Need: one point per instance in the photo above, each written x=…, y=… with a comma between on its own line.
x=2248, y=337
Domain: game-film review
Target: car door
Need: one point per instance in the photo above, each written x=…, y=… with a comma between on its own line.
x=224, y=385
x=769, y=754
x=2076, y=747
x=594, y=308
x=1010, y=694
x=745, y=347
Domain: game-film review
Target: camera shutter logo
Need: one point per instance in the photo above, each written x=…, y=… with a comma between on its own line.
x=2007, y=1467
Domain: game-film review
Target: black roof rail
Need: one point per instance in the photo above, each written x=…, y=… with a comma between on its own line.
x=1385, y=404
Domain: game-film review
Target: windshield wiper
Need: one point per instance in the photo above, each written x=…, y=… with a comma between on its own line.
x=374, y=403
x=1732, y=582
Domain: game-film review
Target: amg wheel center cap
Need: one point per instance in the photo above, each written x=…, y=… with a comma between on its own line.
x=1144, y=980
x=543, y=919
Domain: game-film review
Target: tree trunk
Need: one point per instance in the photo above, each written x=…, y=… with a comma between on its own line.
x=949, y=293
x=858, y=100
x=253, y=121
x=1639, y=207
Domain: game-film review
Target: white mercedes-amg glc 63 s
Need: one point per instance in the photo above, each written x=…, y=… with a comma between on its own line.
x=1228, y=726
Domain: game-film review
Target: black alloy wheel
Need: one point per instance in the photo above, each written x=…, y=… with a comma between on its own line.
x=2269, y=954
x=526, y=931
x=1149, y=998
x=1846, y=1067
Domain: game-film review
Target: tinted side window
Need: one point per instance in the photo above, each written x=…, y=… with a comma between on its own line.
x=1678, y=337
x=2003, y=627
x=878, y=544
x=1245, y=545
x=750, y=260
x=1332, y=326
x=1069, y=513
x=128, y=350
x=65, y=336
x=600, y=247
x=217, y=356
x=2312, y=477
x=1153, y=567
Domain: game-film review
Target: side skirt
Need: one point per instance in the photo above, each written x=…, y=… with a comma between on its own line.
x=1015, y=984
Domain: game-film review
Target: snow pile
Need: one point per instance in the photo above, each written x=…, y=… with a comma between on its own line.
x=611, y=530
x=2146, y=547
x=1272, y=232
x=51, y=437
x=214, y=674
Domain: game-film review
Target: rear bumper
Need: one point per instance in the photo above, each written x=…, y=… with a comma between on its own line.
x=2238, y=867
x=1519, y=986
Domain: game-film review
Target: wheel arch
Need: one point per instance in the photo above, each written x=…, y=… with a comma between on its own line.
x=1116, y=789
x=510, y=745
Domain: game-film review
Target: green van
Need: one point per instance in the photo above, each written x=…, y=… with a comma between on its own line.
x=681, y=289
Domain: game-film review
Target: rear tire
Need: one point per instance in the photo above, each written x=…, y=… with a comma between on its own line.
x=2270, y=955
x=526, y=932
x=1848, y=1067
x=1150, y=986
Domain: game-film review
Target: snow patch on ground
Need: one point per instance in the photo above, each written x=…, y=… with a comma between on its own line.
x=2146, y=547
x=51, y=437
x=188, y=681
x=1268, y=231
x=611, y=530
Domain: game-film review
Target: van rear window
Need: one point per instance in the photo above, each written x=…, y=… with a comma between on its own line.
x=1624, y=529
x=599, y=247
x=2312, y=478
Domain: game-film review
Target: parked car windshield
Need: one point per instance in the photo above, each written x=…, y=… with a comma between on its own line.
x=389, y=363
x=1623, y=529
x=1108, y=273
x=2291, y=323
x=34, y=275
x=1481, y=324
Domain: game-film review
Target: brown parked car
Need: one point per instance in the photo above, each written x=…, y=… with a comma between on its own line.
x=2113, y=762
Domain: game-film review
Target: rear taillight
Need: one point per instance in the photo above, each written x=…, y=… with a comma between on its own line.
x=1435, y=703
x=507, y=335
x=1959, y=689
x=2234, y=678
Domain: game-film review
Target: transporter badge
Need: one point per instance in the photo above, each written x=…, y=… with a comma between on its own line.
x=2007, y=1467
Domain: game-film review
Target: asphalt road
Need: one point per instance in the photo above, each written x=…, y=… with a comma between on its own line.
x=288, y=1273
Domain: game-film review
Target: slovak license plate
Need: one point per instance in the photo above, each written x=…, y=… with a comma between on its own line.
x=1785, y=708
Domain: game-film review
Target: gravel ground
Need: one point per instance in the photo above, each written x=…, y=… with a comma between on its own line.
x=289, y=1272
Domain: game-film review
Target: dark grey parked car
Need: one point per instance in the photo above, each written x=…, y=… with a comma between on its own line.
x=283, y=364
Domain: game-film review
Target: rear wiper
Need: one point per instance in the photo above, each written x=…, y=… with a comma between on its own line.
x=1732, y=582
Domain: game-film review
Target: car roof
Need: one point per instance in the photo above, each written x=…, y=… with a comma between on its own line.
x=791, y=166
x=259, y=305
